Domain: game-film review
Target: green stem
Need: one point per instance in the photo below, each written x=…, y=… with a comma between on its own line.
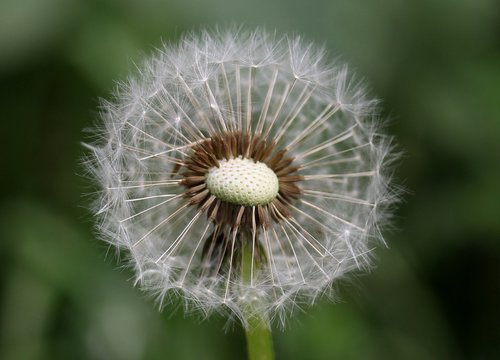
x=257, y=333
x=259, y=340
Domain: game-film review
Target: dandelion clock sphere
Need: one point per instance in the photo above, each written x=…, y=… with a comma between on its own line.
x=241, y=173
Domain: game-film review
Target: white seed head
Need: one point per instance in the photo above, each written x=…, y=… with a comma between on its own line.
x=235, y=141
x=243, y=182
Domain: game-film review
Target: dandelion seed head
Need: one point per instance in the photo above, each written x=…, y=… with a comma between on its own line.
x=231, y=143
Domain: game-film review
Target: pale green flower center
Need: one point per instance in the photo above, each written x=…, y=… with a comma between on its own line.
x=243, y=182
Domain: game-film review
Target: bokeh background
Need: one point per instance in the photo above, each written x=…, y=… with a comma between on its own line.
x=436, y=291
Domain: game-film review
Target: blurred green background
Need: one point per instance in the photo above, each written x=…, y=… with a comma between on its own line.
x=436, y=291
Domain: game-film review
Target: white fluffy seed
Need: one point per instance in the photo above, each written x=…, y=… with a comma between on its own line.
x=280, y=89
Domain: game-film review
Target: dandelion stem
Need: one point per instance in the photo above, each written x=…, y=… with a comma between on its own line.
x=257, y=333
x=259, y=340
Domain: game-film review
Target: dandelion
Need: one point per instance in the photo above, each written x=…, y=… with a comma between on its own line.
x=242, y=173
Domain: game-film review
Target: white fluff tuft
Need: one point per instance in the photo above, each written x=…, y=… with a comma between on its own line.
x=256, y=81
